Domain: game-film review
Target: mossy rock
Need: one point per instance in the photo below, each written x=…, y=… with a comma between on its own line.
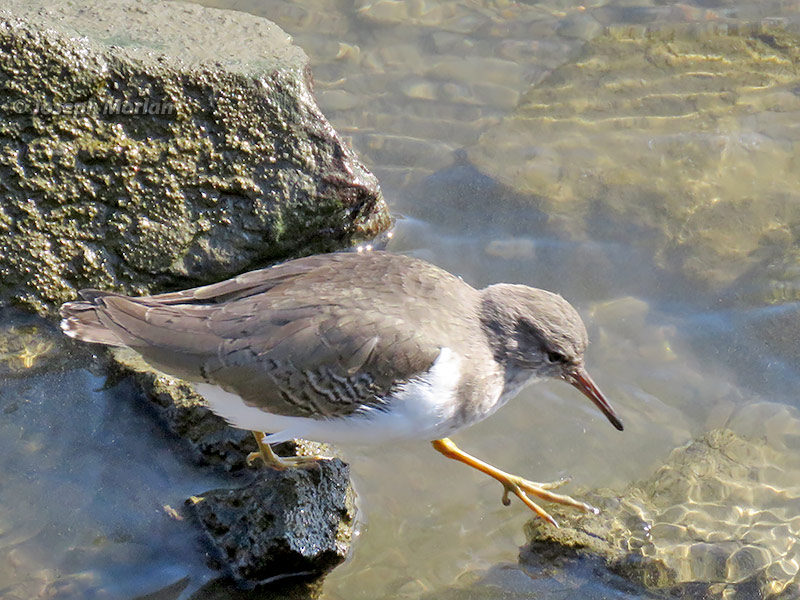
x=141, y=149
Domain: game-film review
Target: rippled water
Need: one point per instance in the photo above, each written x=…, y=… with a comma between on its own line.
x=671, y=226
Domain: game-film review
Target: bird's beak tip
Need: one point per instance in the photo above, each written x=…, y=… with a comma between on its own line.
x=581, y=380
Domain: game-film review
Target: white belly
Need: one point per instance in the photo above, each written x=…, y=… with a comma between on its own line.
x=422, y=409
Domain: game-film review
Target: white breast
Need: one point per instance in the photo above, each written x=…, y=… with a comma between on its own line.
x=420, y=409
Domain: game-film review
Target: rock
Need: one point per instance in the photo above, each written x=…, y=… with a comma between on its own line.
x=678, y=141
x=284, y=589
x=297, y=522
x=718, y=520
x=29, y=346
x=138, y=153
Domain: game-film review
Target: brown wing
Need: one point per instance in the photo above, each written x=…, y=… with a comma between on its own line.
x=315, y=337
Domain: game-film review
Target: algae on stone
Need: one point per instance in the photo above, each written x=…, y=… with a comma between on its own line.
x=236, y=167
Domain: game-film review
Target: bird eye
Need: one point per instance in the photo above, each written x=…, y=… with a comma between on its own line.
x=556, y=357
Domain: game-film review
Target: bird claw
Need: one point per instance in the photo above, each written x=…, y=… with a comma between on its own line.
x=253, y=457
x=283, y=463
x=554, y=485
x=272, y=460
x=522, y=487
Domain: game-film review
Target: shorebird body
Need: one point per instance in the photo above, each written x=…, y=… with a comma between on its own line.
x=348, y=348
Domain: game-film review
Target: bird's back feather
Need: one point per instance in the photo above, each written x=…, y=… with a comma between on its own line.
x=319, y=337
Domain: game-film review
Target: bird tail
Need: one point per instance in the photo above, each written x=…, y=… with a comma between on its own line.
x=81, y=320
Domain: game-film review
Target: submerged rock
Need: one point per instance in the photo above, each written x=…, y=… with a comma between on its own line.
x=28, y=345
x=290, y=588
x=679, y=140
x=297, y=522
x=147, y=145
x=718, y=520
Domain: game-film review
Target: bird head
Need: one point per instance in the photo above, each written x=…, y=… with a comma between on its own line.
x=537, y=331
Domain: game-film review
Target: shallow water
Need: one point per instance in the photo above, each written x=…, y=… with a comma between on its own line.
x=679, y=345
x=80, y=516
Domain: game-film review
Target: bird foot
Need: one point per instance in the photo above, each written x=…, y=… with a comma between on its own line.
x=283, y=463
x=512, y=484
x=274, y=461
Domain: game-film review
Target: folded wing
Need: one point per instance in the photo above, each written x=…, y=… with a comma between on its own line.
x=286, y=347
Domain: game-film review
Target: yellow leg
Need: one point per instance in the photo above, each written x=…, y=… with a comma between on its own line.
x=514, y=484
x=271, y=459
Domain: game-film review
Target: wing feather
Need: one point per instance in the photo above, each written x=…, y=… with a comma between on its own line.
x=315, y=337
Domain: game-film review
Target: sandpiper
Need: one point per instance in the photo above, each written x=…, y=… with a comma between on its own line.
x=361, y=348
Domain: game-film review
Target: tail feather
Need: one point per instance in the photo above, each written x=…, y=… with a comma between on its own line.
x=80, y=320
